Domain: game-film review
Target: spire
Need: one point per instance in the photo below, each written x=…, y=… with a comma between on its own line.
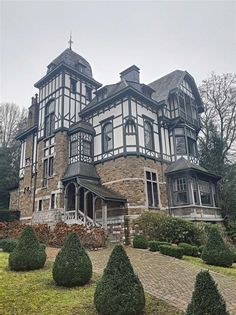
x=70, y=41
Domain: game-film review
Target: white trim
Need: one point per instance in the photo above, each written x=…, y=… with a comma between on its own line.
x=123, y=179
x=25, y=218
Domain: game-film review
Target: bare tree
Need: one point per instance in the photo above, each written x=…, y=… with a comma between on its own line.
x=12, y=117
x=218, y=93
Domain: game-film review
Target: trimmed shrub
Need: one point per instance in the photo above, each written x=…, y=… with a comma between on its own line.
x=9, y=215
x=189, y=250
x=158, y=227
x=8, y=244
x=72, y=266
x=173, y=251
x=119, y=291
x=28, y=254
x=206, y=298
x=216, y=252
x=140, y=241
x=153, y=246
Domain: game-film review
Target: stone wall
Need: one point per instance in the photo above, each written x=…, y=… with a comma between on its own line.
x=14, y=199
x=126, y=176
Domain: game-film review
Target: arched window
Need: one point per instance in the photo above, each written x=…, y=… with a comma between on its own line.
x=49, y=118
x=107, y=137
x=148, y=135
x=130, y=127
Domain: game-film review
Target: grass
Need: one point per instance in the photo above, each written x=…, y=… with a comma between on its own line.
x=230, y=271
x=34, y=292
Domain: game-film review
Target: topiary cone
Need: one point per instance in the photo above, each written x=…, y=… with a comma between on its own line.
x=216, y=251
x=28, y=254
x=206, y=299
x=72, y=266
x=119, y=292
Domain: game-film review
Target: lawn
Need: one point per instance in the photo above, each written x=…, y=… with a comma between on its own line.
x=34, y=293
x=231, y=271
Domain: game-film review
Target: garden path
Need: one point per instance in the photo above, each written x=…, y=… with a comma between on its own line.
x=167, y=278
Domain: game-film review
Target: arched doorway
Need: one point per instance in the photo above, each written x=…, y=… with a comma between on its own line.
x=70, y=194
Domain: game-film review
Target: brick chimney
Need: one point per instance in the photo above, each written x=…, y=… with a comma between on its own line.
x=130, y=74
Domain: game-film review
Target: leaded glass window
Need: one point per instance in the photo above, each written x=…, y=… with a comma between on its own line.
x=180, y=191
x=148, y=135
x=49, y=119
x=107, y=137
x=152, y=189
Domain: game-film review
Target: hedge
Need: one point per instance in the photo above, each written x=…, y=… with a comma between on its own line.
x=189, y=250
x=154, y=245
x=9, y=215
x=8, y=244
x=140, y=241
x=158, y=227
x=173, y=251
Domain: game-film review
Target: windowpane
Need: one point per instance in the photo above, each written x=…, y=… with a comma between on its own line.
x=52, y=201
x=40, y=205
x=50, y=170
x=73, y=148
x=180, y=145
x=149, y=191
x=148, y=175
x=191, y=147
x=107, y=137
x=155, y=194
x=130, y=127
x=148, y=135
x=205, y=192
x=87, y=148
x=180, y=193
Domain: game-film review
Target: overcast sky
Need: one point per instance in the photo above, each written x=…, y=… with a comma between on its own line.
x=157, y=36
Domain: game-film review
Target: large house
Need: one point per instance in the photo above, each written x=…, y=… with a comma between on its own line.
x=104, y=155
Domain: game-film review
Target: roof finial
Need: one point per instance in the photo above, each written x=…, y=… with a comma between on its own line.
x=70, y=41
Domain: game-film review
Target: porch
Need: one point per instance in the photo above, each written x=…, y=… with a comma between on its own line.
x=88, y=202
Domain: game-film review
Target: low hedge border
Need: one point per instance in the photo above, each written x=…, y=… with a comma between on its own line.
x=173, y=251
x=140, y=241
x=189, y=250
x=8, y=244
x=154, y=246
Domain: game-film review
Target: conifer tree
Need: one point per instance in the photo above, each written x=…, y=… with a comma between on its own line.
x=216, y=252
x=206, y=299
x=28, y=254
x=119, y=292
x=72, y=266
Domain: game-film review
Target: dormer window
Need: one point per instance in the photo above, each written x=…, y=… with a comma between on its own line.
x=73, y=84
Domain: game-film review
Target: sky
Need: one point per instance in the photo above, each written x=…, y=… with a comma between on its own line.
x=157, y=36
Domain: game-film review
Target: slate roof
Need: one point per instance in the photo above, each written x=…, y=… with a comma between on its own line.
x=72, y=59
x=82, y=169
x=183, y=165
x=165, y=84
x=82, y=125
x=113, y=89
x=100, y=191
x=170, y=82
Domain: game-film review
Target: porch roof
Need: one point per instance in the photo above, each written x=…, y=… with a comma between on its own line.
x=183, y=165
x=99, y=190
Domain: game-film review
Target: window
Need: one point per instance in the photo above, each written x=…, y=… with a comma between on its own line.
x=192, y=149
x=87, y=148
x=52, y=201
x=180, y=193
x=73, y=84
x=195, y=191
x=205, y=193
x=47, y=169
x=88, y=93
x=74, y=148
x=107, y=137
x=130, y=127
x=40, y=205
x=180, y=145
x=148, y=135
x=49, y=119
x=152, y=189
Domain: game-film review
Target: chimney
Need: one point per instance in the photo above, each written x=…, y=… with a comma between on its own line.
x=130, y=74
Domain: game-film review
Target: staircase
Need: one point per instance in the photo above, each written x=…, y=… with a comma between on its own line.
x=70, y=217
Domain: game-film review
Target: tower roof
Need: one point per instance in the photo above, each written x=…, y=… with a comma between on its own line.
x=73, y=60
